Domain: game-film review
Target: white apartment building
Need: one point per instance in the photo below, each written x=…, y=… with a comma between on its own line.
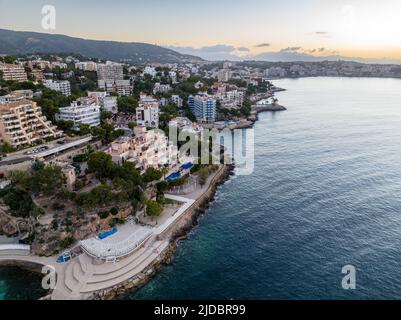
x=161, y=88
x=22, y=123
x=147, y=113
x=13, y=72
x=82, y=111
x=122, y=87
x=150, y=71
x=177, y=100
x=61, y=86
x=173, y=76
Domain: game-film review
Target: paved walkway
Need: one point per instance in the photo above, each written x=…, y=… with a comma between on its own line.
x=83, y=276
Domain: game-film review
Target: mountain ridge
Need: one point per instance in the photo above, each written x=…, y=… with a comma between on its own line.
x=27, y=42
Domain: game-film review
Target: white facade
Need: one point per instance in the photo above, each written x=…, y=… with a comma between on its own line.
x=107, y=102
x=81, y=114
x=109, y=71
x=61, y=86
x=161, y=88
x=122, y=87
x=147, y=113
x=150, y=71
x=176, y=99
x=173, y=76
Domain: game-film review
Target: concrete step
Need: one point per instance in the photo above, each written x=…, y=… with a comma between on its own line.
x=120, y=272
x=112, y=267
x=77, y=271
x=69, y=280
x=91, y=287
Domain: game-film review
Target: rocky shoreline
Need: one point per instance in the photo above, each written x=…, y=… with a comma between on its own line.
x=176, y=233
x=250, y=122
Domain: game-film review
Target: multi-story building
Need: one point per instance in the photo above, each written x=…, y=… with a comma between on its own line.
x=106, y=102
x=203, y=107
x=232, y=99
x=41, y=64
x=16, y=95
x=121, y=87
x=61, y=86
x=37, y=75
x=58, y=64
x=110, y=71
x=81, y=111
x=177, y=100
x=22, y=122
x=147, y=113
x=161, y=88
x=173, y=76
x=147, y=149
x=150, y=71
x=13, y=72
x=223, y=75
x=86, y=66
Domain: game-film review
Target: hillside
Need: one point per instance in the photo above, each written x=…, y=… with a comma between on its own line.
x=21, y=43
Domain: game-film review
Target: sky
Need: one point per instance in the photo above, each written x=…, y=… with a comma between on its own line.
x=226, y=28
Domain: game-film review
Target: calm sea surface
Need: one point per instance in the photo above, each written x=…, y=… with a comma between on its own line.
x=325, y=193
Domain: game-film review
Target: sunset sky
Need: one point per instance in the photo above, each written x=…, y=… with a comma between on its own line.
x=358, y=28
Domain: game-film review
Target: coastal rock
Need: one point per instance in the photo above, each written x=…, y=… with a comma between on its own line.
x=269, y=107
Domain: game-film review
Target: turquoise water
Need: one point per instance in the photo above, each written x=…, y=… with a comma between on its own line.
x=326, y=192
x=18, y=284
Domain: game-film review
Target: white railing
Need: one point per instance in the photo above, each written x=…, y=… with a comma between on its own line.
x=20, y=248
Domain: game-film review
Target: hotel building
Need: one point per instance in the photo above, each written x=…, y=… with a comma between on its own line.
x=203, y=107
x=22, y=122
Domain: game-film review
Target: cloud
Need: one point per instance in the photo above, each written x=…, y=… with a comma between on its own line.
x=263, y=45
x=219, y=48
x=323, y=34
x=243, y=49
x=291, y=49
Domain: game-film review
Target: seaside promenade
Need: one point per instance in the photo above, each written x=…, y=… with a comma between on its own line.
x=85, y=277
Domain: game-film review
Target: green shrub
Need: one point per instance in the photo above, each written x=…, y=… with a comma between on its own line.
x=67, y=242
x=154, y=209
x=103, y=214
